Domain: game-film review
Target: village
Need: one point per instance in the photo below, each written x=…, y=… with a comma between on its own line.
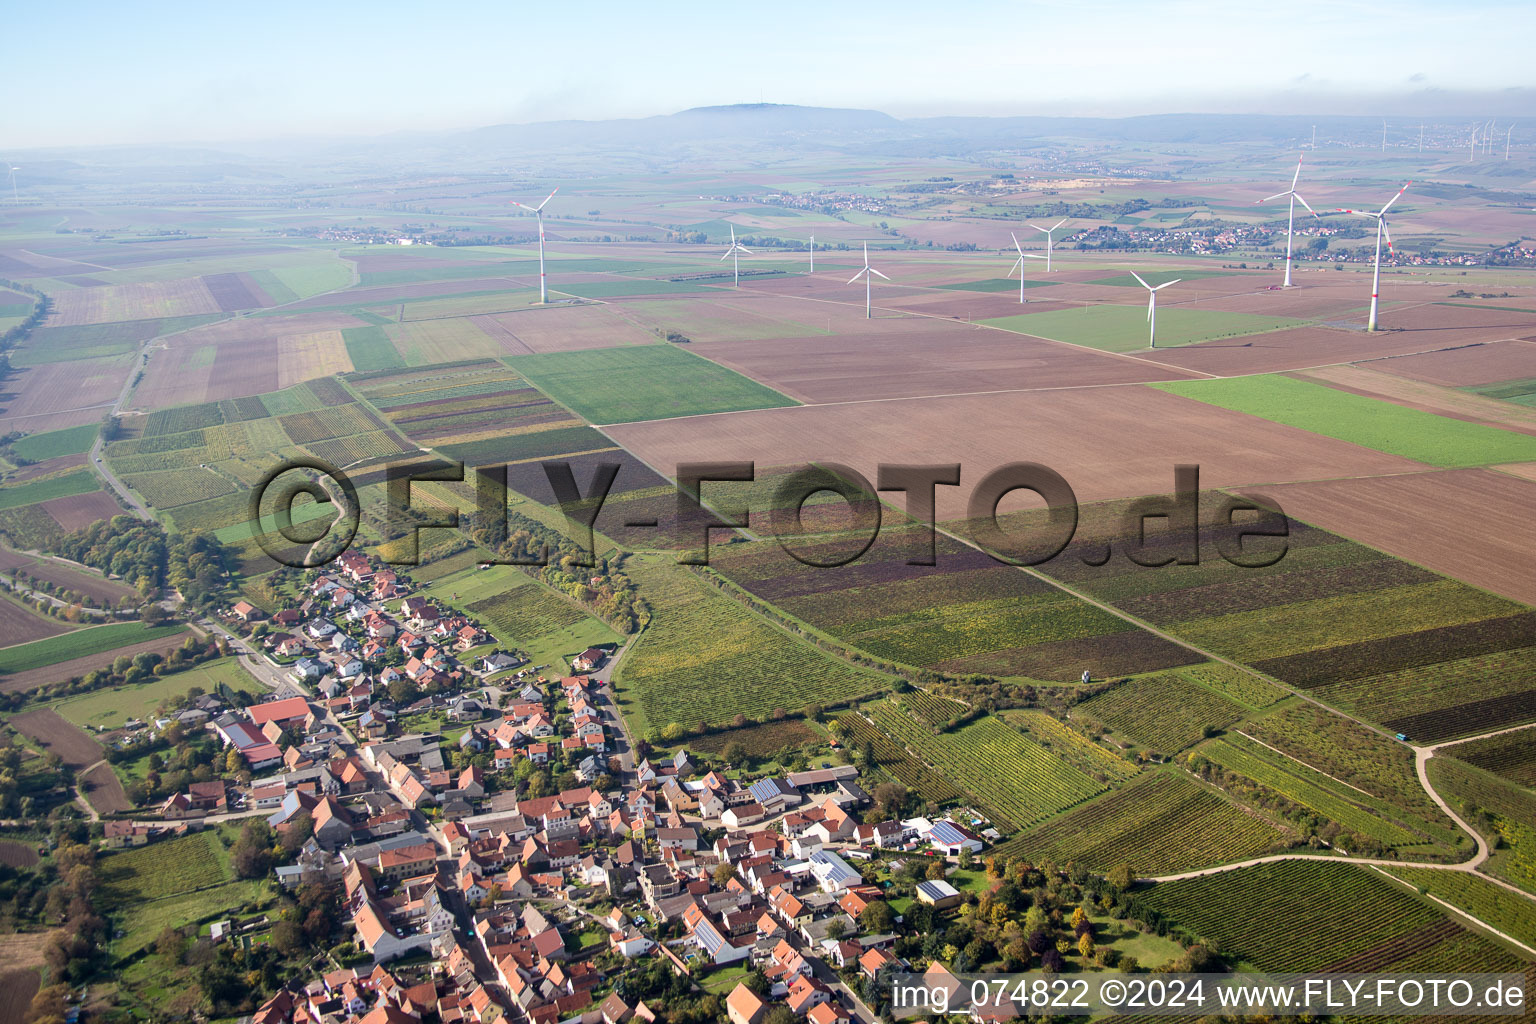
x=521, y=868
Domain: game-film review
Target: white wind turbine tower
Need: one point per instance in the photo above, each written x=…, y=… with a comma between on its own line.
x=734, y=254
x=538, y=211
x=16, y=197
x=813, y=255
x=1050, y=241
x=1019, y=263
x=1381, y=229
x=1472, y=146
x=1383, y=135
x=1509, y=133
x=869, y=273
x=1152, y=306
x=1290, y=224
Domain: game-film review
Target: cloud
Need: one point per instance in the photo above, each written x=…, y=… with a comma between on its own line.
x=1418, y=76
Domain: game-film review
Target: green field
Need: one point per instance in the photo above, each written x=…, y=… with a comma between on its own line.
x=1306, y=787
x=1368, y=422
x=521, y=612
x=79, y=481
x=643, y=382
x=1016, y=780
x=1489, y=903
x=172, y=883
x=1124, y=328
x=369, y=348
x=1162, y=823
x=1157, y=277
x=1300, y=916
x=1165, y=712
x=78, y=644
x=995, y=284
x=705, y=658
x=50, y=445
x=109, y=708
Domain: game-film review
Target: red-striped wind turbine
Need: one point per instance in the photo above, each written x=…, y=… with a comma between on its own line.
x=1381, y=231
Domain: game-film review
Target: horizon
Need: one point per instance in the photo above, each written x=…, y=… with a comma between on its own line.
x=202, y=78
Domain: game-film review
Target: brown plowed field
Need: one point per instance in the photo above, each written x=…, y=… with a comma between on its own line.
x=80, y=510
x=20, y=682
x=132, y=302
x=82, y=581
x=58, y=736
x=1294, y=349
x=1470, y=366
x=103, y=790
x=56, y=395
x=17, y=987
x=1107, y=442
x=942, y=361
x=1473, y=524
x=19, y=626
x=47, y=467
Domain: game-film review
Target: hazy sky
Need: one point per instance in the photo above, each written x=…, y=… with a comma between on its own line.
x=88, y=73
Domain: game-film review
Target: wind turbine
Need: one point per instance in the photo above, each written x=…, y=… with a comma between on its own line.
x=1509, y=133
x=1049, y=241
x=16, y=198
x=813, y=255
x=869, y=273
x=1383, y=135
x=734, y=254
x=1152, y=305
x=1290, y=224
x=1472, y=146
x=538, y=211
x=1381, y=229
x=1020, y=264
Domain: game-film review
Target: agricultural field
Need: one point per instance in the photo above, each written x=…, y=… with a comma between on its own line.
x=642, y=382
x=1124, y=328
x=57, y=736
x=54, y=443
x=369, y=348
x=1353, y=755
x=1243, y=687
x=20, y=625
x=1484, y=900
x=78, y=644
x=1500, y=811
x=65, y=485
x=1093, y=758
x=1308, y=788
x=108, y=709
x=1164, y=712
x=760, y=741
x=1016, y=780
x=1331, y=616
x=1511, y=756
x=706, y=657
x=1162, y=823
x=1291, y=914
x=1368, y=422
x=858, y=734
x=967, y=613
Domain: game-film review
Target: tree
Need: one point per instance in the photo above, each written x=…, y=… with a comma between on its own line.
x=1085, y=946
x=937, y=871
x=233, y=762
x=252, y=853
x=780, y=1014
x=287, y=936
x=1121, y=876
x=734, y=753
x=837, y=928
x=724, y=872
x=967, y=858
x=877, y=918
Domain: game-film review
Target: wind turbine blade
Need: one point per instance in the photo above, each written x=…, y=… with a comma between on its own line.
x=1058, y=224
x=1037, y=227
x=727, y=255
x=1395, y=198
x=1018, y=265
x=1303, y=202
x=1016, y=244
x=1143, y=283
x=1387, y=232
x=877, y=273
x=530, y=209
x=1270, y=199
x=549, y=197
x=743, y=249
x=1032, y=256
x=1297, y=176
x=1165, y=284
x=855, y=277
x=733, y=236
x=1151, y=304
